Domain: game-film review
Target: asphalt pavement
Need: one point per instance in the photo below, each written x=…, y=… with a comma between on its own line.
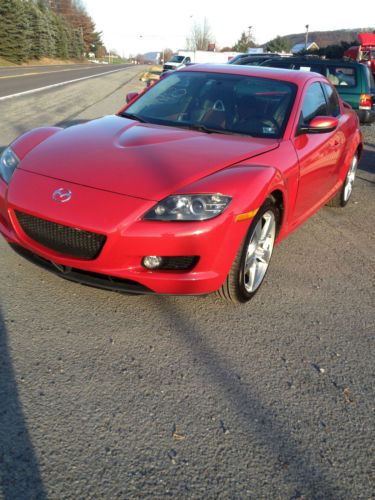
x=15, y=80
x=108, y=396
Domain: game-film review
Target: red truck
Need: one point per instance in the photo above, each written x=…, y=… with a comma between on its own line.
x=365, y=52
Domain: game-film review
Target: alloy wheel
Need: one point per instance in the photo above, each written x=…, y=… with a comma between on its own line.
x=259, y=251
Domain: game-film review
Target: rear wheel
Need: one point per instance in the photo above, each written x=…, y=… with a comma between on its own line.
x=343, y=196
x=251, y=263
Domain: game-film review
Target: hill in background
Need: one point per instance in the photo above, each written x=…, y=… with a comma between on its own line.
x=325, y=38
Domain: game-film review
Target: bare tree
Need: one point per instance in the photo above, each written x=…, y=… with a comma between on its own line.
x=167, y=54
x=200, y=36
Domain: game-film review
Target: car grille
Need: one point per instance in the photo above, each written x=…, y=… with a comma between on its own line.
x=63, y=239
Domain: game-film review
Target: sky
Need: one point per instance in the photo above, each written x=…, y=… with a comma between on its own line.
x=131, y=27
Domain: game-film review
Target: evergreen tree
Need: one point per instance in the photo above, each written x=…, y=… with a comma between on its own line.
x=279, y=44
x=63, y=39
x=244, y=43
x=75, y=49
x=14, y=30
x=48, y=30
x=51, y=28
x=40, y=38
x=32, y=29
x=97, y=46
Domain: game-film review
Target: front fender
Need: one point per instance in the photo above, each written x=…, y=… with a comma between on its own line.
x=26, y=142
x=248, y=186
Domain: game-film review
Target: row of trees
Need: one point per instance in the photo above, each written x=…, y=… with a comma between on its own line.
x=32, y=29
x=335, y=51
x=201, y=38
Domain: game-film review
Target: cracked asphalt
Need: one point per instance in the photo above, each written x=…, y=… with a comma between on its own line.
x=112, y=396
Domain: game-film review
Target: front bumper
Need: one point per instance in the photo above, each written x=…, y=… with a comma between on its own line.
x=366, y=116
x=83, y=277
x=129, y=238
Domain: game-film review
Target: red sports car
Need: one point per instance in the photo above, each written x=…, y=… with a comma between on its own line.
x=186, y=190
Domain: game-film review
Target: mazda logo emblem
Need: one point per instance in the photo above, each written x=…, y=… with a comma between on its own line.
x=62, y=195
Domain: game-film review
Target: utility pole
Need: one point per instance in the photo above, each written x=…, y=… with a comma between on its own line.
x=306, y=36
x=250, y=35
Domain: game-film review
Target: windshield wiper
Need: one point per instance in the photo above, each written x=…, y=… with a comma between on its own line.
x=132, y=116
x=203, y=128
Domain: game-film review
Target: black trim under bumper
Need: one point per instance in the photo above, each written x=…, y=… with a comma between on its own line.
x=84, y=277
x=366, y=116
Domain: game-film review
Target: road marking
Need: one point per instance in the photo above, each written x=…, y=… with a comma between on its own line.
x=40, y=89
x=45, y=72
x=49, y=66
x=22, y=74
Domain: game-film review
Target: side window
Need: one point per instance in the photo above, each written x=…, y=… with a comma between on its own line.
x=333, y=101
x=345, y=76
x=314, y=104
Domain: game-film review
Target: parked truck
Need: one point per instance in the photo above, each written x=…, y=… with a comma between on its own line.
x=184, y=57
x=365, y=52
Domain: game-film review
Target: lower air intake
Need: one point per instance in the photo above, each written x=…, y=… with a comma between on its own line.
x=66, y=240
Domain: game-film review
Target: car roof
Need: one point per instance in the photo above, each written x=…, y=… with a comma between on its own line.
x=288, y=75
x=317, y=61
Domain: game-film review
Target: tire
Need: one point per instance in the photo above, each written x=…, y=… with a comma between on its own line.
x=253, y=258
x=342, y=197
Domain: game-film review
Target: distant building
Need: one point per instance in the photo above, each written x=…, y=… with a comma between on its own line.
x=151, y=57
x=255, y=50
x=300, y=47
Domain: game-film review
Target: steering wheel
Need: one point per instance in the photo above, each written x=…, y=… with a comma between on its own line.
x=218, y=106
x=270, y=122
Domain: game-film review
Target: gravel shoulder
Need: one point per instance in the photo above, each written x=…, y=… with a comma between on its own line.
x=113, y=396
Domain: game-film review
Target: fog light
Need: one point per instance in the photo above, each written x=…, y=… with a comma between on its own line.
x=152, y=261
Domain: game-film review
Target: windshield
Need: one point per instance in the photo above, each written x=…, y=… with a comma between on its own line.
x=225, y=103
x=236, y=58
x=177, y=59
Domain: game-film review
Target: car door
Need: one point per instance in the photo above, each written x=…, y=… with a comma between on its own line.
x=317, y=153
x=338, y=135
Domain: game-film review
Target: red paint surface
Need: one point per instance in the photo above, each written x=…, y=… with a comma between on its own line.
x=117, y=169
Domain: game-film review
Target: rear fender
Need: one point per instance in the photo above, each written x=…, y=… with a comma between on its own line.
x=355, y=145
x=26, y=142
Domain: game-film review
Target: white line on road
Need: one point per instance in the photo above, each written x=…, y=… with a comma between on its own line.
x=32, y=91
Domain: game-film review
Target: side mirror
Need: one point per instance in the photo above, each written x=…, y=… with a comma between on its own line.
x=320, y=125
x=130, y=96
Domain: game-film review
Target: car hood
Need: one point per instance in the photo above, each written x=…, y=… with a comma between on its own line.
x=138, y=159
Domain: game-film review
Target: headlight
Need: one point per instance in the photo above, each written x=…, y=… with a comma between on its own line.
x=8, y=164
x=189, y=207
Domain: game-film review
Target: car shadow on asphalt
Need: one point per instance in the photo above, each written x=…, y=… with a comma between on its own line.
x=302, y=472
x=367, y=162
x=19, y=470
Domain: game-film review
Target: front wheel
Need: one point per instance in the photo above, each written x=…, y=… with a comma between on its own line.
x=342, y=197
x=251, y=263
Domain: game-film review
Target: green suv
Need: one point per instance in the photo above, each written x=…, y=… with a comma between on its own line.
x=353, y=81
